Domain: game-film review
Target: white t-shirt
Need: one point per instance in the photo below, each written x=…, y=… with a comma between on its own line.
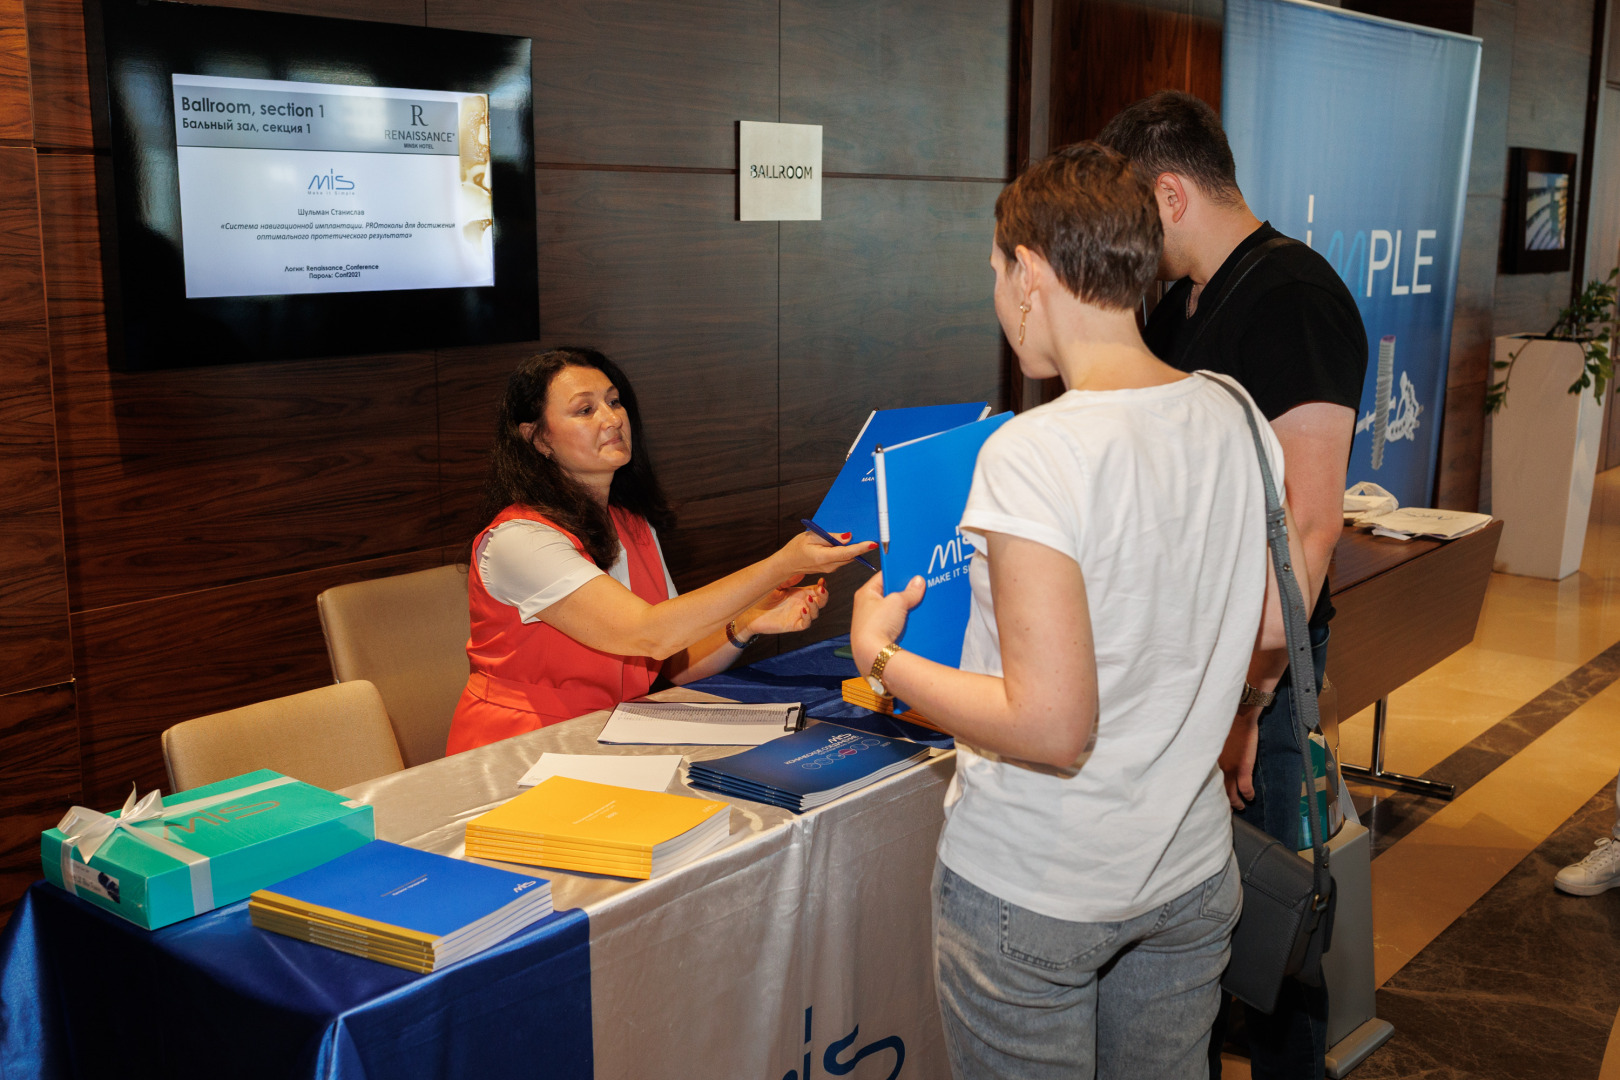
x=1157, y=495
x=530, y=566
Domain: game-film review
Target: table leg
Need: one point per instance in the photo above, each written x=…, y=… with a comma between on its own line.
x=1416, y=785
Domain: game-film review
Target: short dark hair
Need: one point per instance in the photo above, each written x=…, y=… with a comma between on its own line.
x=1089, y=215
x=1177, y=133
x=519, y=474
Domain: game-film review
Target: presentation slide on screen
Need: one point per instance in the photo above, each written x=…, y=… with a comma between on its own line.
x=292, y=187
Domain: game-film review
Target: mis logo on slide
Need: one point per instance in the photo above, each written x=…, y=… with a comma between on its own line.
x=331, y=180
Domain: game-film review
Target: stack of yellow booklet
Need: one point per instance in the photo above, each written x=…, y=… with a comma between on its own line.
x=600, y=829
x=858, y=691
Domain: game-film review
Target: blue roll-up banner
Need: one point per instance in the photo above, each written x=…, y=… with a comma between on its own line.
x=1352, y=133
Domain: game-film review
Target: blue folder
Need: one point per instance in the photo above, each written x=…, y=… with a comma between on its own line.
x=851, y=505
x=922, y=489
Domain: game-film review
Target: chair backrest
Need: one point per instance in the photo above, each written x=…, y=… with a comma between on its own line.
x=408, y=635
x=330, y=737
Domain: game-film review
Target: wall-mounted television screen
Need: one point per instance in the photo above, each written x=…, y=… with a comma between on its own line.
x=285, y=186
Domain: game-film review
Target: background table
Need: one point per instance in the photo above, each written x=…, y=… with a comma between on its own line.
x=1402, y=607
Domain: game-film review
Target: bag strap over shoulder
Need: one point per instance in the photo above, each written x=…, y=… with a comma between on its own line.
x=1214, y=304
x=1301, y=665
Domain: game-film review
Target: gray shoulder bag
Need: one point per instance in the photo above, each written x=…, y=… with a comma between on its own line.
x=1288, y=904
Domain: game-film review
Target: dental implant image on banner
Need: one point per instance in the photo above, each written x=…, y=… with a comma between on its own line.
x=1386, y=375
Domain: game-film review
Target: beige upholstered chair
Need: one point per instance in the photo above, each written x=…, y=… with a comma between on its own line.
x=331, y=737
x=408, y=635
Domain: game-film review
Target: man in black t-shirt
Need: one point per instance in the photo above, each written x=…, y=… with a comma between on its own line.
x=1286, y=327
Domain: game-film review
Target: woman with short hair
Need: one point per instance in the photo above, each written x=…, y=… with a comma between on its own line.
x=1086, y=890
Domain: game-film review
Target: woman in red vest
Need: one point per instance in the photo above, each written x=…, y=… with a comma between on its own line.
x=572, y=607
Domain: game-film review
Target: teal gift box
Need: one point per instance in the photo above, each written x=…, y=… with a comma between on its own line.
x=200, y=849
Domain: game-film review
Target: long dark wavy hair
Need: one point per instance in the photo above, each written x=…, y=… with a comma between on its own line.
x=518, y=473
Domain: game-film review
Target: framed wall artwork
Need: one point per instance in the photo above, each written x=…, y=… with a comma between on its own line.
x=1536, y=237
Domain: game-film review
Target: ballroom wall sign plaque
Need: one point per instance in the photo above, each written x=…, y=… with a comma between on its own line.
x=778, y=171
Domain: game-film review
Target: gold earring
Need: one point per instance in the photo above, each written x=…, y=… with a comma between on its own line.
x=1024, y=307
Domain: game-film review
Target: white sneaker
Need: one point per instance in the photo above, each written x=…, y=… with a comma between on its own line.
x=1598, y=871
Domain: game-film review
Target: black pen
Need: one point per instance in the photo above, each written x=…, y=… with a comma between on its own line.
x=831, y=539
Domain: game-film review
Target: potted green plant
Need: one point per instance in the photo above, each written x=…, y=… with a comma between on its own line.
x=1544, y=449
x=1590, y=322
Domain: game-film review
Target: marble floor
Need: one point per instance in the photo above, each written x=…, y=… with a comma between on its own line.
x=1484, y=970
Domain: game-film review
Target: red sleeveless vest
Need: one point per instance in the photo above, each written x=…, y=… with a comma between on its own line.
x=528, y=675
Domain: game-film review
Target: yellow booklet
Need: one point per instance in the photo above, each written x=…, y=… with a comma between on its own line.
x=597, y=815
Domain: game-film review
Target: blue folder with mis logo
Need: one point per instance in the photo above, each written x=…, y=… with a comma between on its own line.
x=922, y=490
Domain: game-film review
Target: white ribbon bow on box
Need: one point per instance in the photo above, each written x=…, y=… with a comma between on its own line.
x=89, y=830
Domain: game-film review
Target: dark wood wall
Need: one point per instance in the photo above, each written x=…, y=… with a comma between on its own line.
x=163, y=534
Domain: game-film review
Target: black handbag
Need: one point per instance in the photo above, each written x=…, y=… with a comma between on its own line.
x=1288, y=904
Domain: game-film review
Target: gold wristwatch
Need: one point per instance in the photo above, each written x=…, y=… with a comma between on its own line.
x=1253, y=695
x=881, y=661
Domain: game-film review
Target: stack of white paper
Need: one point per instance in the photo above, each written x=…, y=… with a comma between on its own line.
x=700, y=723
x=645, y=772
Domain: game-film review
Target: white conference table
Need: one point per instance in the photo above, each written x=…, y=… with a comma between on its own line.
x=802, y=942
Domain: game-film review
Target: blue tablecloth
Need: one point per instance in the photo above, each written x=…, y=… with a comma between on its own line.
x=85, y=994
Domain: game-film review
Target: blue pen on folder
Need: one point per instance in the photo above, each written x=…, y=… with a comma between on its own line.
x=831, y=539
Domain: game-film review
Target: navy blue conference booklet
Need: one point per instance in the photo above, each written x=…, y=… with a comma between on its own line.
x=851, y=502
x=808, y=768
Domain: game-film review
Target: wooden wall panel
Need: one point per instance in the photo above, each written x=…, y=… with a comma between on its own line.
x=651, y=269
x=194, y=478
x=871, y=74
x=34, y=649
x=885, y=303
x=715, y=536
x=16, y=119
x=1109, y=53
x=39, y=780
x=144, y=667
x=59, y=76
x=638, y=82
x=22, y=271
x=471, y=381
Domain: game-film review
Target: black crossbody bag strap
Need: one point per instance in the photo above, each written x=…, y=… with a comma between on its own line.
x=1239, y=272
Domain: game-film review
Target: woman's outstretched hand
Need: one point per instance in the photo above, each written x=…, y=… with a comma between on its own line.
x=789, y=607
x=810, y=554
x=880, y=619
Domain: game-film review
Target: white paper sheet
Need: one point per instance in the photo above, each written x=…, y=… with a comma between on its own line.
x=668, y=723
x=647, y=772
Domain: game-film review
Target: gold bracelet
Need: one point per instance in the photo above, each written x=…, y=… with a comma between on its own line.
x=736, y=642
x=880, y=662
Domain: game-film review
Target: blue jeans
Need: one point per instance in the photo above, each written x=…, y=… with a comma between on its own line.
x=1029, y=997
x=1291, y=1043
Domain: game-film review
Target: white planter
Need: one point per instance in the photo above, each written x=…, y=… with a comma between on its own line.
x=1544, y=450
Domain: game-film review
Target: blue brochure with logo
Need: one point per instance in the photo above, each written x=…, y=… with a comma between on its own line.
x=851, y=505
x=922, y=489
x=386, y=892
x=808, y=768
